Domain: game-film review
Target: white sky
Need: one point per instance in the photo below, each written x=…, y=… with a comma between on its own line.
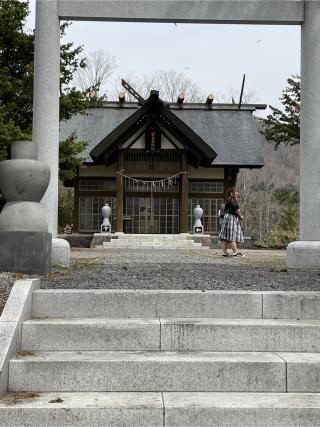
x=213, y=56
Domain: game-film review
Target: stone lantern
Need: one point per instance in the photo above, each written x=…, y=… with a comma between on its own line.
x=106, y=212
x=197, y=213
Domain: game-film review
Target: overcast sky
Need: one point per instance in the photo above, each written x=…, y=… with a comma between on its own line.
x=213, y=56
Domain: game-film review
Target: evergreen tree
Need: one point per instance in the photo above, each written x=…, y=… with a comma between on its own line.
x=16, y=84
x=69, y=160
x=283, y=127
x=16, y=64
x=8, y=132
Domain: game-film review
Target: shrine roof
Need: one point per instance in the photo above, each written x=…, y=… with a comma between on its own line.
x=231, y=133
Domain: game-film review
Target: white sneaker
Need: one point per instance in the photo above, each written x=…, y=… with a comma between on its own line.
x=239, y=254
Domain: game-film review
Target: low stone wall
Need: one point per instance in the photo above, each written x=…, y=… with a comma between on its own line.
x=77, y=240
x=17, y=309
x=248, y=243
x=99, y=238
x=206, y=240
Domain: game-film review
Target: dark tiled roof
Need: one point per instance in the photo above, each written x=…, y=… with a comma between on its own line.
x=233, y=134
x=154, y=111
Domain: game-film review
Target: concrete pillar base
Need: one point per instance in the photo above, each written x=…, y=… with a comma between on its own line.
x=303, y=255
x=60, y=255
x=26, y=252
x=99, y=238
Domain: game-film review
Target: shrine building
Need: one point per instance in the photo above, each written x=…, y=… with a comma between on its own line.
x=153, y=162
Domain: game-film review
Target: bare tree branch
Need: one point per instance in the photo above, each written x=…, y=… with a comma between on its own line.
x=169, y=83
x=100, y=65
x=249, y=97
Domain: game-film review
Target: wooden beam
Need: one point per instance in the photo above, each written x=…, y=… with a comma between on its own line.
x=210, y=98
x=133, y=92
x=122, y=97
x=76, y=213
x=119, y=208
x=242, y=88
x=180, y=98
x=184, y=196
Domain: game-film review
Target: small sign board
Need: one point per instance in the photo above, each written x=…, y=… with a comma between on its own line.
x=198, y=230
x=105, y=229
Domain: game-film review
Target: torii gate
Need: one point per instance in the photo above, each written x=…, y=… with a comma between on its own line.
x=304, y=254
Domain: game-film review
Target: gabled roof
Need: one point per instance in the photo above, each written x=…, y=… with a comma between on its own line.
x=154, y=111
x=231, y=132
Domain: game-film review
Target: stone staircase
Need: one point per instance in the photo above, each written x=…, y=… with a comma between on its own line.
x=167, y=358
x=153, y=241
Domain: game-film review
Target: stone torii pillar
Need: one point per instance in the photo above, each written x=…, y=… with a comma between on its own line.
x=46, y=113
x=305, y=254
x=46, y=100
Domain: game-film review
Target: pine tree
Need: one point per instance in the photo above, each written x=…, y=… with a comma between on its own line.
x=69, y=159
x=283, y=127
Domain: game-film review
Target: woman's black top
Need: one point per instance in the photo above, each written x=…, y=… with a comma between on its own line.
x=231, y=206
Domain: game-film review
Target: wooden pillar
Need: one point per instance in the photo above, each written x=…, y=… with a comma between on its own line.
x=184, y=195
x=76, y=202
x=230, y=178
x=119, y=180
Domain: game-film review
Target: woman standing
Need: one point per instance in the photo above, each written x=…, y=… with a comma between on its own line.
x=231, y=232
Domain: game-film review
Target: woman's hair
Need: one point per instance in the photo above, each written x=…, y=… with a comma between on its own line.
x=231, y=190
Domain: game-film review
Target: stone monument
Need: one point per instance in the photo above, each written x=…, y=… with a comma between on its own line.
x=25, y=244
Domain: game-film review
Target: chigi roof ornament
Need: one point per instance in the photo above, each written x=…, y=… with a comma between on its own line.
x=133, y=92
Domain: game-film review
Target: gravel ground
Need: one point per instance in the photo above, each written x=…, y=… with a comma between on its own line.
x=150, y=269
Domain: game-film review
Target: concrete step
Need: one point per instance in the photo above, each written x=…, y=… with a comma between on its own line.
x=175, y=303
x=240, y=335
x=147, y=371
x=291, y=305
x=241, y=409
x=159, y=409
x=76, y=303
x=155, y=236
x=91, y=334
x=151, y=239
x=156, y=245
x=171, y=335
x=133, y=241
x=303, y=372
x=81, y=409
x=138, y=248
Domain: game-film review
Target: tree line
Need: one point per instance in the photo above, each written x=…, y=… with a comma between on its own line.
x=270, y=197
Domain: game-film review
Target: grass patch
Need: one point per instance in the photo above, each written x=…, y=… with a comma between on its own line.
x=85, y=262
x=75, y=265
x=273, y=260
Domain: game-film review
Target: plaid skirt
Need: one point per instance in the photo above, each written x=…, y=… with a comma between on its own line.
x=231, y=229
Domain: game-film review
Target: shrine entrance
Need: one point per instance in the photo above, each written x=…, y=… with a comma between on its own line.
x=151, y=215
